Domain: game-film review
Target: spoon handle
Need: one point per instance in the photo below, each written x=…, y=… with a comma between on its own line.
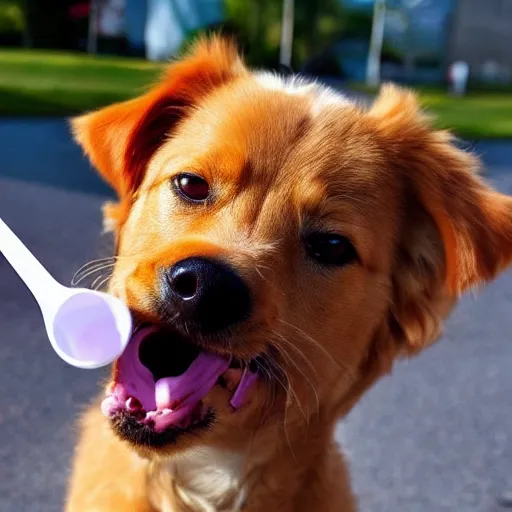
x=35, y=276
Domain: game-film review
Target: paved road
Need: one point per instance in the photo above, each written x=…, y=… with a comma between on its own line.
x=436, y=436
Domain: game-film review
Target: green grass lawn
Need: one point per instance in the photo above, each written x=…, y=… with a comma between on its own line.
x=62, y=84
x=479, y=114
x=55, y=84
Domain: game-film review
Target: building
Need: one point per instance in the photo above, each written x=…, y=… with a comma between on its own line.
x=481, y=35
x=429, y=35
x=170, y=22
x=416, y=35
x=155, y=29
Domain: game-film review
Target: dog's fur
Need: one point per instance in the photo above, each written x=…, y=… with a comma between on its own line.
x=284, y=157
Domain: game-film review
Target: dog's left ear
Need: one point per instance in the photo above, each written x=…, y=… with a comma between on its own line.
x=120, y=139
x=457, y=231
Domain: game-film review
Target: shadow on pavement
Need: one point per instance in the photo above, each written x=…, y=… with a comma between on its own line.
x=42, y=151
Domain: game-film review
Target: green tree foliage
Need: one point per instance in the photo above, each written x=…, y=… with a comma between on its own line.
x=12, y=21
x=318, y=24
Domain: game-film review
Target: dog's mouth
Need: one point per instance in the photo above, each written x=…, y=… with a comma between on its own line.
x=160, y=382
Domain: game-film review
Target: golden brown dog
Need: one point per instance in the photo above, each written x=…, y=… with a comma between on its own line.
x=279, y=247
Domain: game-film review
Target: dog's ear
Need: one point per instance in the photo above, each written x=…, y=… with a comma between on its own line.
x=457, y=231
x=120, y=139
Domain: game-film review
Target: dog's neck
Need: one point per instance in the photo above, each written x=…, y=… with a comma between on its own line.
x=203, y=480
x=280, y=472
x=284, y=479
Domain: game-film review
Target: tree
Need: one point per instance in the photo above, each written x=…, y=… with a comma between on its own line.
x=316, y=25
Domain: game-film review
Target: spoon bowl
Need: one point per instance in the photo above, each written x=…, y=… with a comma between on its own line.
x=86, y=328
x=90, y=329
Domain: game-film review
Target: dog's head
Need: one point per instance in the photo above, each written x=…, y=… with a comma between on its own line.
x=279, y=246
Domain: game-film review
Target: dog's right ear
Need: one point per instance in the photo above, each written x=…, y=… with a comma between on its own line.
x=458, y=231
x=120, y=139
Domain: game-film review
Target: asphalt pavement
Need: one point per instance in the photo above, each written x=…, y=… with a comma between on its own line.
x=435, y=436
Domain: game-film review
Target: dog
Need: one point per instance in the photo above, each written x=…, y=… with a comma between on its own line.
x=280, y=247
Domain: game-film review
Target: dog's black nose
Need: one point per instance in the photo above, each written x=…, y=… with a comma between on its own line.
x=206, y=294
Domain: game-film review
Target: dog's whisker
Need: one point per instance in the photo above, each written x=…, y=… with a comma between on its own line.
x=288, y=392
x=287, y=354
x=96, y=281
x=108, y=274
x=307, y=379
x=289, y=389
x=103, y=282
x=290, y=359
x=260, y=266
x=77, y=280
x=297, y=350
x=271, y=388
x=256, y=267
x=173, y=318
x=94, y=265
x=99, y=261
x=274, y=376
x=307, y=337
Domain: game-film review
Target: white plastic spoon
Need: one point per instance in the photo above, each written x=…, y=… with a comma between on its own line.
x=87, y=329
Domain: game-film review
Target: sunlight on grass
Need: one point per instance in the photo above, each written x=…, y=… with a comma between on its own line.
x=63, y=84
x=53, y=83
x=56, y=58
x=480, y=114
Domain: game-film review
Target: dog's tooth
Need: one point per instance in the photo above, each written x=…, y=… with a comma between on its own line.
x=166, y=412
x=151, y=415
x=242, y=394
x=132, y=404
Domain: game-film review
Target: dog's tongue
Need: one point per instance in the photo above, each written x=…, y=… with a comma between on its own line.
x=184, y=390
x=191, y=386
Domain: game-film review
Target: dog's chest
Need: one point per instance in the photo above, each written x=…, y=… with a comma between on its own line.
x=204, y=480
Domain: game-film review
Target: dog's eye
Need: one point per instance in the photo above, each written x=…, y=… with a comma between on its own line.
x=331, y=249
x=192, y=187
